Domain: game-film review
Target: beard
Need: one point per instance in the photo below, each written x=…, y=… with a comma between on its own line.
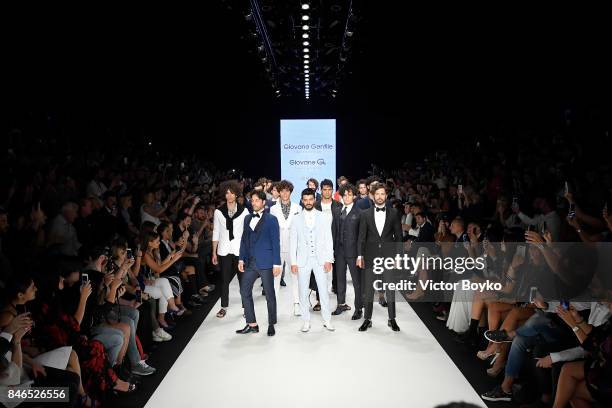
x=308, y=207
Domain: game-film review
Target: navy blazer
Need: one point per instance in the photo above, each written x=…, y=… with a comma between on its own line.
x=265, y=240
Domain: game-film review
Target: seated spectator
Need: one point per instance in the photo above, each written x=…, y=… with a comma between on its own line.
x=62, y=235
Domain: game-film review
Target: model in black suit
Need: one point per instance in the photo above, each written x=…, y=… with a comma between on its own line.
x=345, y=231
x=382, y=240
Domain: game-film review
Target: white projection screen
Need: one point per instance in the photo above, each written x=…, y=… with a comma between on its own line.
x=308, y=150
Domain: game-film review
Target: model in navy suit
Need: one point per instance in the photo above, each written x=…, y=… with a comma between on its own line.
x=259, y=258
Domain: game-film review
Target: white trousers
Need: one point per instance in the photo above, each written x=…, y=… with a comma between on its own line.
x=162, y=291
x=290, y=279
x=304, y=285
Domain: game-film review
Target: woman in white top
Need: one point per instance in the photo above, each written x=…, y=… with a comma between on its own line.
x=228, y=224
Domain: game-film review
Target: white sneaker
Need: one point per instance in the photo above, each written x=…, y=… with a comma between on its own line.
x=296, y=309
x=160, y=335
x=329, y=326
x=306, y=327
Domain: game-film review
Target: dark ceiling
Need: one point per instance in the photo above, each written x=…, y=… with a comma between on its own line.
x=436, y=74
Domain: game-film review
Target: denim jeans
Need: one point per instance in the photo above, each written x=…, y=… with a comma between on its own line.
x=112, y=339
x=537, y=329
x=130, y=316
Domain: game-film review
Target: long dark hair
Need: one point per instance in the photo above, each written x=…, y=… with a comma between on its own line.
x=18, y=284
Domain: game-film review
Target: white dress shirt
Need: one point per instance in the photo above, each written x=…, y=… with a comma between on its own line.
x=255, y=220
x=309, y=217
x=379, y=219
x=348, y=208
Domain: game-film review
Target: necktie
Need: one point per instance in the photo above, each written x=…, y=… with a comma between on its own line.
x=341, y=225
x=255, y=215
x=380, y=209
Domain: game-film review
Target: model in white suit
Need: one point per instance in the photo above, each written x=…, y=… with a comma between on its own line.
x=312, y=250
x=285, y=242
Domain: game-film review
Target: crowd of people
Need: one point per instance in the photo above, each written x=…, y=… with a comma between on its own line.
x=101, y=257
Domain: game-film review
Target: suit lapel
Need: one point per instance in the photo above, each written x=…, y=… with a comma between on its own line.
x=387, y=220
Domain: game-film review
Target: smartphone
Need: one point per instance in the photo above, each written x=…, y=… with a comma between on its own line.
x=533, y=293
x=139, y=296
x=84, y=278
x=21, y=309
x=566, y=188
x=520, y=250
x=544, y=228
x=129, y=253
x=565, y=304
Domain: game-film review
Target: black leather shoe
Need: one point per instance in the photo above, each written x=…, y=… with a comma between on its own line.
x=271, y=331
x=283, y=282
x=393, y=325
x=248, y=329
x=357, y=315
x=382, y=301
x=366, y=325
x=341, y=309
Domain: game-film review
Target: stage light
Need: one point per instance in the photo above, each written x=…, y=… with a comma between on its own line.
x=305, y=18
x=306, y=66
x=305, y=43
x=306, y=50
x=306, y=71
x=305, y=6
x=277, y=91
x=305, y=35
x=305, y=27
x=349, y=33
x=306, y=56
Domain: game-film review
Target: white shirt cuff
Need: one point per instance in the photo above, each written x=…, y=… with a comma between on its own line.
x=7, y=336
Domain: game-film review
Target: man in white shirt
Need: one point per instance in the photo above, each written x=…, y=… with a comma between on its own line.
x=285, y=211
x=312, y=251
x=228, y=225
x=327, y=205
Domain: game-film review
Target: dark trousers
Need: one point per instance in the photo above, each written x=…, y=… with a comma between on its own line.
x=249, y=276
x=198, y=265
x=341, y=262
x=57, y=378
x=335, y=278
x=229, y=268
x=368, y=292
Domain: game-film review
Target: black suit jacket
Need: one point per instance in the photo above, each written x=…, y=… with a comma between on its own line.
x=351, y=230
x=371, y=244
x=426, y=233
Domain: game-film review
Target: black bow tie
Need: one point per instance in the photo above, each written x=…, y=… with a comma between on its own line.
x=256, y=215
x=380, y=209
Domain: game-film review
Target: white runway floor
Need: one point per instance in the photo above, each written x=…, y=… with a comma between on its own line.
x=345, y=368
